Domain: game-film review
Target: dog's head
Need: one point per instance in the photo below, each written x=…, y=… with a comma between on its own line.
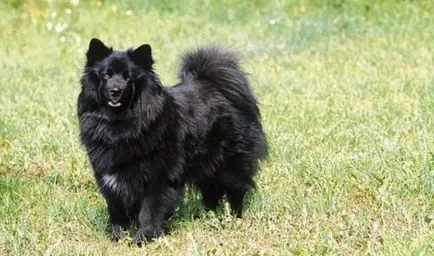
x=116, y=78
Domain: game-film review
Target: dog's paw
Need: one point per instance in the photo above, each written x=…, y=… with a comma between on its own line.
x=146, y=234
x=117, y=233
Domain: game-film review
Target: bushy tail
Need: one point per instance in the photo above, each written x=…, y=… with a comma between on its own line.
x=220, y=68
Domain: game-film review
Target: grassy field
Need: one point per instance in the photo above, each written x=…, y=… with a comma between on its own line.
x=347, y=99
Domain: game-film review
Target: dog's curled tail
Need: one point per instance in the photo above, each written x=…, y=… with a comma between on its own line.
x=220, y=68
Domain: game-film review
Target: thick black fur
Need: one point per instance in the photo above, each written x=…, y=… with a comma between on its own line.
x=146, y=141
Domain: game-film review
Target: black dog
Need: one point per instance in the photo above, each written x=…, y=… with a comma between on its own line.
x=145, y=141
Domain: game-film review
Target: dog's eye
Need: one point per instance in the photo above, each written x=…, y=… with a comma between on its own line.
x=125, y=76
x=108, y=74
x=133, y=76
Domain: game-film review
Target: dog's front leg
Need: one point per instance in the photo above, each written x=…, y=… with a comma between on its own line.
x=118, y=217
x=154, y=211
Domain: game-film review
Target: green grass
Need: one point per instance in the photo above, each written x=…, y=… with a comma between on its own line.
x=347, y=99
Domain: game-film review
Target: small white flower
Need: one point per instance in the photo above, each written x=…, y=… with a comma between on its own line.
x=129, y=13
x=356, y=156
x=114, y=8
x=60, y=27
x=390, y=144
x=78, y=40
x=75, y=2
x=272, y=21
x=49, y=26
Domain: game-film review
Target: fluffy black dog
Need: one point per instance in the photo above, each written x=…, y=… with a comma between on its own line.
x=145, y=141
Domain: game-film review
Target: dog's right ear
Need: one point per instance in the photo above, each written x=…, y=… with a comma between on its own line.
x=97, y=51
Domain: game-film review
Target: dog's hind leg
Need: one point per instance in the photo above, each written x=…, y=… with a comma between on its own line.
x=235, y=198
x=236, y=188
x=212, y=192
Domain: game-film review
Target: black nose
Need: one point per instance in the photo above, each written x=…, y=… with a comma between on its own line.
x=115, y=93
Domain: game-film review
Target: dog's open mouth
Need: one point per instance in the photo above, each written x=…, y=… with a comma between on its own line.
x=114, y=104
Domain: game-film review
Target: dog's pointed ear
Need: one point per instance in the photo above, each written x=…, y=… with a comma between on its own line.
x=142, y=56
x=97, y=51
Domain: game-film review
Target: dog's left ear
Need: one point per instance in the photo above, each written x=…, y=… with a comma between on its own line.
x=142, y=56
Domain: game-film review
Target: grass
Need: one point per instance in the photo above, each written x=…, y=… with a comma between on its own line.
x=347, y=98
